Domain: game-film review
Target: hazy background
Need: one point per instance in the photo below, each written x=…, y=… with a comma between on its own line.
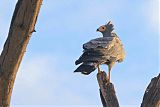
x=46, y=75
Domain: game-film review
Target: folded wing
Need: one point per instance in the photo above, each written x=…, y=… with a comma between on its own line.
x=100, y=51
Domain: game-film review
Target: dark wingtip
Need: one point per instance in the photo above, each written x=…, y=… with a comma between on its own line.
x=82, y=72
x=76, y=71
x=77, y=62
x=85, y=69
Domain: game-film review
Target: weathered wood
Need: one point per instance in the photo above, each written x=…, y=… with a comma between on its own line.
x=152, y=94
x=21, y=28
x=107, y=92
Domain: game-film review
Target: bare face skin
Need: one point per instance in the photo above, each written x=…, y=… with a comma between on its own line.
x=101, y=28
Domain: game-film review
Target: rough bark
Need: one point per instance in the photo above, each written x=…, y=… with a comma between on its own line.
x=151, y=97
x=108, y=97
x=21, y=28
x=107, y=92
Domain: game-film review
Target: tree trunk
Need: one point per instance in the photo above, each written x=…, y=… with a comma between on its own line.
x=21, y=28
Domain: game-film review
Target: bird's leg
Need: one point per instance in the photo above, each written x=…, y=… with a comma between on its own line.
x=109, y=73
x=99, y=71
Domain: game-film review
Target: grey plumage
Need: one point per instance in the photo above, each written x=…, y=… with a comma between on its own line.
x=104, y=50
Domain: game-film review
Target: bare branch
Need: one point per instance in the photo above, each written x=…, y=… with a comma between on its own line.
x=107, y=92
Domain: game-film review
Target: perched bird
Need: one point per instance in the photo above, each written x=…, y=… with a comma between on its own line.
x=103, y=50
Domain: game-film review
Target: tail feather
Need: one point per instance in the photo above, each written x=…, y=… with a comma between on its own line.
x=86, y=68
x=77, y=62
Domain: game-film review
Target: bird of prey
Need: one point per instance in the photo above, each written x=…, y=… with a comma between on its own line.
x=103, y=50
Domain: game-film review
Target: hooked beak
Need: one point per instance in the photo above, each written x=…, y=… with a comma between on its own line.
x=97, y=30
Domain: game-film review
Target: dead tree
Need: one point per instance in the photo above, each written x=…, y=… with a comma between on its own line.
x=21, y=28
x=151, y=97
x=107, y=91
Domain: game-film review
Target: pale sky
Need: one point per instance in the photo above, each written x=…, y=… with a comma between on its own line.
x=46, y=77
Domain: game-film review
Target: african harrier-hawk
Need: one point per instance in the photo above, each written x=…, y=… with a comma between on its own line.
x=104, y=50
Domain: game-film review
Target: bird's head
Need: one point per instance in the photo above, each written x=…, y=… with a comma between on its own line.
x=106, y=29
